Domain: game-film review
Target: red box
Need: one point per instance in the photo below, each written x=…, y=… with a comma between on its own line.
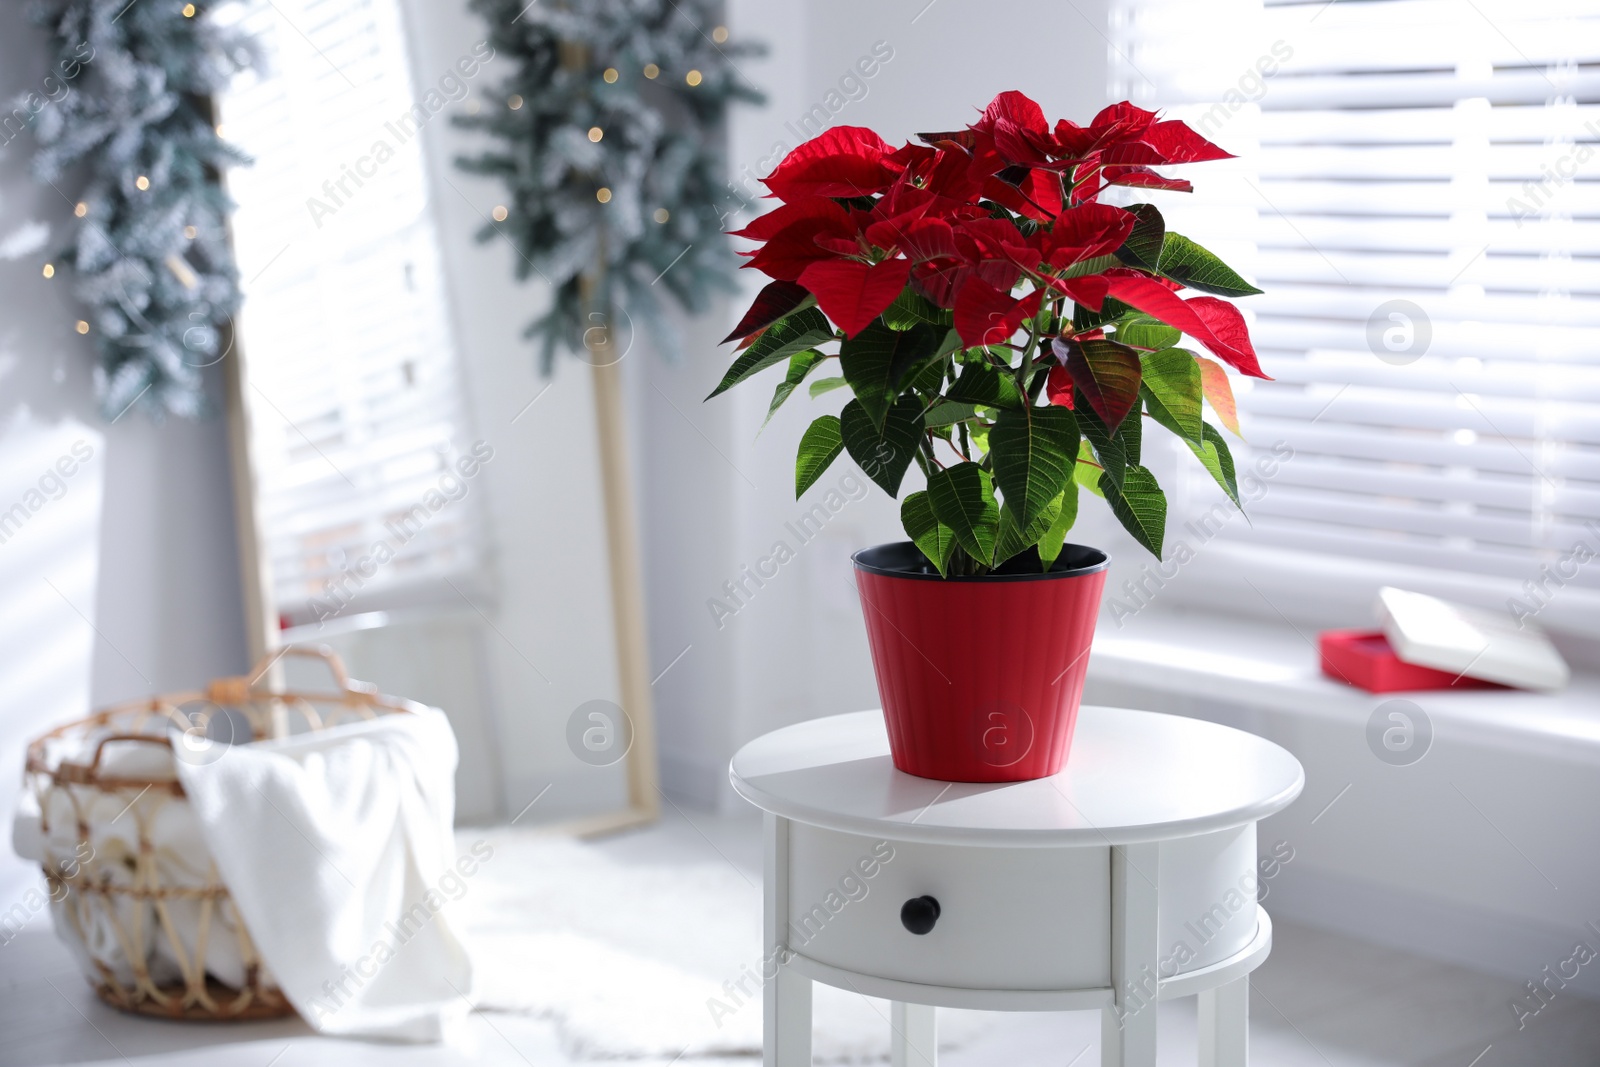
x=1363, y=658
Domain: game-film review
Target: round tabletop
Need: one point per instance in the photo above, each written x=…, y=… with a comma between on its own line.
x=1132, y=776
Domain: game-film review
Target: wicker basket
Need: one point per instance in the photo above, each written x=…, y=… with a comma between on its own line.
x=113, y=881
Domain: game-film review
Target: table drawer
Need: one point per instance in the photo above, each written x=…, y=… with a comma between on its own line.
x=1008, y=918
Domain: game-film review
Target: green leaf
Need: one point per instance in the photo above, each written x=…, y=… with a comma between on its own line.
x=1033, y=451
x=1143, y=246
x=963, y=499
x=1014, y=539
x=1142, y=331
x=802, y=330
x=826, y=385
x=1110, y=311
x=948, y=412
x=1171, y=389
x=1114, y=451
x=1139, y=505
x=1184, y=261
x=883, y=452
x=800, y=365
x=820, y=445
x=910, y=308
x=930, y=376
x=1086, y=473
x=936, y=540
x=987, y=386
x=1055, y=536
x=1106, y=374
x=1089, y=266
x=1213, y=454
x=874, y=360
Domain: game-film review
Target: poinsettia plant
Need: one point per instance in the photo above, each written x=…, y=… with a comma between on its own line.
x=997, y=324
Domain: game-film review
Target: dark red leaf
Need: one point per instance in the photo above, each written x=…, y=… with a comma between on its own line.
x=986, y=316
x=951, y=176
x=843, y=161
x=1089, y=290
x=774, y=301
x=928, y=239
x=1058, y=387
x=962, y=139
x=852, y=293
x=1228, y=328
x=1087, y=231
x=1121, y=122
x=1215, y=323
x=1016, y=110
x=1108, y=374
x=1144, y=178
x=774, y=222
x=1177, y=143
x=787, y=255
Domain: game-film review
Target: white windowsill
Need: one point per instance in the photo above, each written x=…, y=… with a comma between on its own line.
x=1237, y=660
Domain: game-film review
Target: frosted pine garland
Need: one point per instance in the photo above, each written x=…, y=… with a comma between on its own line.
x=132, y=145
x=610, y=143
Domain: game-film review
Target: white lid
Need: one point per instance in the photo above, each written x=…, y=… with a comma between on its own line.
x=1490, y=645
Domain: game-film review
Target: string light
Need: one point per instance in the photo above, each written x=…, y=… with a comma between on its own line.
x=693, y=77
x=515, y=102
x=651, y=70
x=720, y=35
x=142, y=183
x=499, y=213
x=610, y=75
x=603, y=195
x=595, y=133
x=219, y=130
x=661, y=214
x=190, y=232
x=82, y=327
x=81, y=209
x=49, y=270
x=188, y=11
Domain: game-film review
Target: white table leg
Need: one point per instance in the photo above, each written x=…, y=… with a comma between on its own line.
x=1225, y=1025
x=1128, y=1026
x=787, y=1031
x=914, y=1036
x=786, y=997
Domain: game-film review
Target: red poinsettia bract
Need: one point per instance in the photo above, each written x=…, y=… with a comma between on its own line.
x=968, y=216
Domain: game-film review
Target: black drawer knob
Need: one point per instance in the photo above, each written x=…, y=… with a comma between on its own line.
x=919, y=914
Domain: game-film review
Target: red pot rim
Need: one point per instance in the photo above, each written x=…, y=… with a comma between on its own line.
x=902, y=559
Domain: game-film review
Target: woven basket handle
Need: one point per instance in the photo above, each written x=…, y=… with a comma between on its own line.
x=143, y=739
x=236, y=691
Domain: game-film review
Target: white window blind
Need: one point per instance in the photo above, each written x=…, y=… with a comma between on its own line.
x=353, y=386
x=1420, y=180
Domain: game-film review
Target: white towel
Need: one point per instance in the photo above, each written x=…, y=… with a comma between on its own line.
x=337, y=849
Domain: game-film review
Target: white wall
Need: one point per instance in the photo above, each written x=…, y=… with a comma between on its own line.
x=141, y=543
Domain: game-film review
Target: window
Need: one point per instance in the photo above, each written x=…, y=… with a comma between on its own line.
x=356, y=406
x=1420, y=180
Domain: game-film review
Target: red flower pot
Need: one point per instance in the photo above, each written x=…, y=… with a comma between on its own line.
x=980, y=677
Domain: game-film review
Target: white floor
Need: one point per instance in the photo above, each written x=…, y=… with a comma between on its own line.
x=1320, y=1001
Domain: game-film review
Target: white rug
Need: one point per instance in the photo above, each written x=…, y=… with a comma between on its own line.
x=640, y=961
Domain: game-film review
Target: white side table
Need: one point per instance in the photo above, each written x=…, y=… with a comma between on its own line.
x=1127, y=879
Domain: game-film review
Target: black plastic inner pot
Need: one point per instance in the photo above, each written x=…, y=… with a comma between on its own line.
x=902, y=559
